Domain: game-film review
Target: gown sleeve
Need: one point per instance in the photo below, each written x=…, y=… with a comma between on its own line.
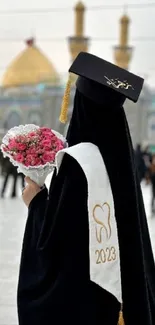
x=53, y=229
x=36, y=212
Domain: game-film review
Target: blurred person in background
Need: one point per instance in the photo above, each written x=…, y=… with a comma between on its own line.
x=1, y=161
x=9, y=170
x=147, y=157
x=141, y=167
x=152, y=179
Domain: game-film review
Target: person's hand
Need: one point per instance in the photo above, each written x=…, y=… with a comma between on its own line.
x=30, y=191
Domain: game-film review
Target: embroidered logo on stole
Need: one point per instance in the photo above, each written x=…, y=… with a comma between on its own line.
x=102, y=215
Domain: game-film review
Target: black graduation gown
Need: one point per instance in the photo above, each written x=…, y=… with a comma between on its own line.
x=54, y=284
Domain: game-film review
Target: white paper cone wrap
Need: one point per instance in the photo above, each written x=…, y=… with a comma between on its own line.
x=38, y=175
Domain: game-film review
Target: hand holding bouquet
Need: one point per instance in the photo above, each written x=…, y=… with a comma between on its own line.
x=33, y=149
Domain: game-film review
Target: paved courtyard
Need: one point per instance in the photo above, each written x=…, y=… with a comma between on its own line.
x=12, y=222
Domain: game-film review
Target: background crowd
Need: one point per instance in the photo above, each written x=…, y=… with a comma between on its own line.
x=145, y=162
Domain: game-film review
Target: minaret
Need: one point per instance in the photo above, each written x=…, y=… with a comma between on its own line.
x=122, y=52
x=78, y=42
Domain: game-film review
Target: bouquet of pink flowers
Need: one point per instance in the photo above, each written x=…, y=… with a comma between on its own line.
x=33, y=150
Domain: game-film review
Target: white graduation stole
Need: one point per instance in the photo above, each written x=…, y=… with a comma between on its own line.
x=103, y=242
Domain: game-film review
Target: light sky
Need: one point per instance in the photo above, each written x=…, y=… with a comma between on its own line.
x=98, y=24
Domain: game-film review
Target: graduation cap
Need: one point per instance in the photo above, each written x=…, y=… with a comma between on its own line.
x=99, y=78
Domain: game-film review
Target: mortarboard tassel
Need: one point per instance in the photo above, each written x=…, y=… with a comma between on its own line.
x=65, y=102
x=121, y=318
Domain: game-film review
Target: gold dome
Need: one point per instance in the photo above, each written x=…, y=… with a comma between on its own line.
x=30, y=67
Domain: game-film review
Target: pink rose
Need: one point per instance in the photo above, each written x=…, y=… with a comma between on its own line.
x=31, y=151
x=53, y=138
x=48, y=136
x=46, y=143
x=19, y=157
x=33, y=160
x=37, y=162
x=60, y=147
x=31, y=134
x=21, y=146
x=48, y=156
x=45, y=129
x=46, y=132
x=27, y=163
x=12, y=144
x=29, y=159
x=32, y=138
